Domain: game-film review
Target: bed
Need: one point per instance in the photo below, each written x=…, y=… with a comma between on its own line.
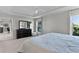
x=51, y=43
x=47, y=43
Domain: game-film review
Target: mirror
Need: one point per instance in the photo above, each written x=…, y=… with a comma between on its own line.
x=4, y=27
x=24, y=24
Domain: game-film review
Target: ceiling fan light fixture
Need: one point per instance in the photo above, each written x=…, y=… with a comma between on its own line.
x=36, y=11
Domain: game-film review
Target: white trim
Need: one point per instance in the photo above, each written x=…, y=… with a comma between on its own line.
x=71, y=26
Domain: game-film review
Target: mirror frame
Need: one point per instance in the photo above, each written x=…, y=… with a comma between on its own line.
x=23, y=21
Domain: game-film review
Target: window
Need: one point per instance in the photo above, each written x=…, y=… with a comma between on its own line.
x=40, y=26
x=75, y=25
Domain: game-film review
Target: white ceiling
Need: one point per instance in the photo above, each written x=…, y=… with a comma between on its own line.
x=29, y=11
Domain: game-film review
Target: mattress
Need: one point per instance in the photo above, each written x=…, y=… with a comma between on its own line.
x=51, y=42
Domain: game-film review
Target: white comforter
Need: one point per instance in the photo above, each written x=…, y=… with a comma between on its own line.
x=59, y=43
x=52, y=42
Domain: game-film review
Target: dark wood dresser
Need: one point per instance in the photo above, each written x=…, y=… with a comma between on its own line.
x=21, y=33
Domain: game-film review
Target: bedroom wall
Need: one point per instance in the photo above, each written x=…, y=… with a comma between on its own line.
x=59, y=23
